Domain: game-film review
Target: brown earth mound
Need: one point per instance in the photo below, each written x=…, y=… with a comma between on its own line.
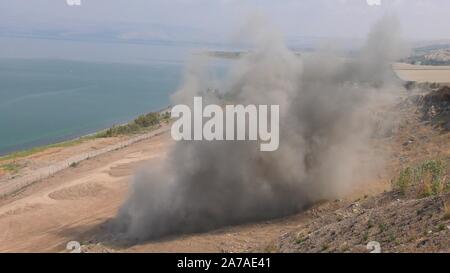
x=414, y=214
x=79, y=191
x=435, y=107
x=415, y=225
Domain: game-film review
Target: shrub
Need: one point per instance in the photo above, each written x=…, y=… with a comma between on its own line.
x=404, y=180
x=140, y=123
x=12, y=167
x=428, y=178
x=446, y=212
x=431, y=175
x=148, y=120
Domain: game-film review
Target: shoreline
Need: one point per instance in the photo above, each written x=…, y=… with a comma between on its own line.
x=68, y=141
x=23, y=168
x=11, y=185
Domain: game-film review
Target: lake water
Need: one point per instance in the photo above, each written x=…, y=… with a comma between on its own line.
x=54, y=90
x=45, y=101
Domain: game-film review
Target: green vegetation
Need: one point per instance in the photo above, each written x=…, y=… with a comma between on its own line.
x=11, y=167
x=32, y=151
x=300, y=239
x=140, y=124
x=446, y=212
x=404, y=180
x=365, y=236
x=382, y=227
x=391, y=237
x=428, y=178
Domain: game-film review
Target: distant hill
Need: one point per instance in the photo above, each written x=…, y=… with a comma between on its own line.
x=438, y=54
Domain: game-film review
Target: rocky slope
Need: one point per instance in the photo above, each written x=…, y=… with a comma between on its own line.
x=414, y=215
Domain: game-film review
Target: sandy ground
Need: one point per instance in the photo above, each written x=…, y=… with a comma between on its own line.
x=48, y=214
x=53, y=155
x=423, y=73
x=76, y=203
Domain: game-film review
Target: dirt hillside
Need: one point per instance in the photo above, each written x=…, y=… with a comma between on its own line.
x=405, y=209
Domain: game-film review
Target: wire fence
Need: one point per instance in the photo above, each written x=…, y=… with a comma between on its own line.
x=13, y=185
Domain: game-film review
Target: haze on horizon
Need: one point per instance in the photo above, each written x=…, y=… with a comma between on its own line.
x=207, y=21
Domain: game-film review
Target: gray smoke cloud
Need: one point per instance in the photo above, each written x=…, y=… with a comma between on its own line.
x=326, y=122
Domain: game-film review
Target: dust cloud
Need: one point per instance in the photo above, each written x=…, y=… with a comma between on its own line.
x=326, y=124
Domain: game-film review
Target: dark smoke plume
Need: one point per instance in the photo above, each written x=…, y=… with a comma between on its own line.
x=326, y=105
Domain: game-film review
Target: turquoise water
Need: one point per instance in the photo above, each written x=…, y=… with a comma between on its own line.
x=45, y=101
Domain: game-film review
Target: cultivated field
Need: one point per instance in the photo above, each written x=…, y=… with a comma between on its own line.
x=423, y=73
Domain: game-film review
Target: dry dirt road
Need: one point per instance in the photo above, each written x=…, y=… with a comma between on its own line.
x=75, y=203
x=51, y=212
x=423, y=73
